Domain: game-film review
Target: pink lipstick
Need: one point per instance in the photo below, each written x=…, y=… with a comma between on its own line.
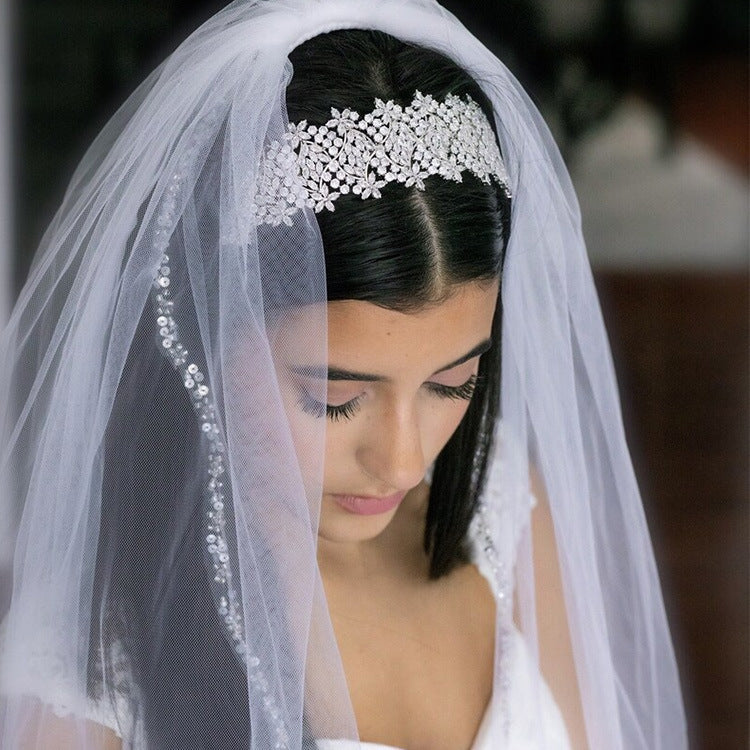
x=369, y=506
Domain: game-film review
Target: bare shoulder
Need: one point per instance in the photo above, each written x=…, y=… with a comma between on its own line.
x=63, y=733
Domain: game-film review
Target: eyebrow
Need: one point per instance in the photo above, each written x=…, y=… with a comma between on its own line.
x=336, y=373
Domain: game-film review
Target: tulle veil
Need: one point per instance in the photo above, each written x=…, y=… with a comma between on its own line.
x=154, y=227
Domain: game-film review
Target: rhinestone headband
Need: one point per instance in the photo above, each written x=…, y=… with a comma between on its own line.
x=312, y=166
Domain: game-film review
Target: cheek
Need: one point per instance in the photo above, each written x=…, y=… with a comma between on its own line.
x=307, y=435
x=437, y=419
x=342, y=442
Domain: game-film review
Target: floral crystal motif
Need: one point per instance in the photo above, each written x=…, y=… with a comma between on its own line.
x=312, y=166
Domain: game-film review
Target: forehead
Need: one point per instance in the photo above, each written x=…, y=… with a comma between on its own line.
x=363, y=336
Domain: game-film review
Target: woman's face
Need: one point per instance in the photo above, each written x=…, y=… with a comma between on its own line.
x=398, y=386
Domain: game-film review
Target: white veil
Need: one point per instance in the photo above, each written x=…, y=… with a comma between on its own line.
x=162, y=195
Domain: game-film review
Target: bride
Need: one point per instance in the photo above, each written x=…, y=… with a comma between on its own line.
x=310, y=419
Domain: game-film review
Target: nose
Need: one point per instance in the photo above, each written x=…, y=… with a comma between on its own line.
x=392, y=452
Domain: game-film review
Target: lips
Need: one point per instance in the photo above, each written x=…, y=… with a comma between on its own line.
x=368, y=506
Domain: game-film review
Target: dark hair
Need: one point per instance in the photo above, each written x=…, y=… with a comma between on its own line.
x=407, y=249
x=402, y=251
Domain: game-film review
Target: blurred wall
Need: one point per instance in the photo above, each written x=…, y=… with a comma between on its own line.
x=6, y=209
x=6, y=237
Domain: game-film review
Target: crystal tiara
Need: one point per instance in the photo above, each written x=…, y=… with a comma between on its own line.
x=314, y=165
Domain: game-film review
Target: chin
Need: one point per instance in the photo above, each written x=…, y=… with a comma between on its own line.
x=338, y=525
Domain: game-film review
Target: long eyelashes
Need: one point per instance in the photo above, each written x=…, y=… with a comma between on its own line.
x=347, y=410
x=319, y=409
x=464, y=391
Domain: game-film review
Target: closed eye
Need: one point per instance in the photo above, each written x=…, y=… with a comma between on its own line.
x=464, y=391
x=336, y=412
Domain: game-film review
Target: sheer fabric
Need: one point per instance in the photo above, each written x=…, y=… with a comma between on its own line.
x=166, y=186
x=511, y=708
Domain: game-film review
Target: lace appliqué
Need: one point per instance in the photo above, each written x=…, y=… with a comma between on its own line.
x=43, y=673
x=502, y=514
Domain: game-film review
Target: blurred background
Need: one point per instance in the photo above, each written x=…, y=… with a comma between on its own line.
x=649, y=102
